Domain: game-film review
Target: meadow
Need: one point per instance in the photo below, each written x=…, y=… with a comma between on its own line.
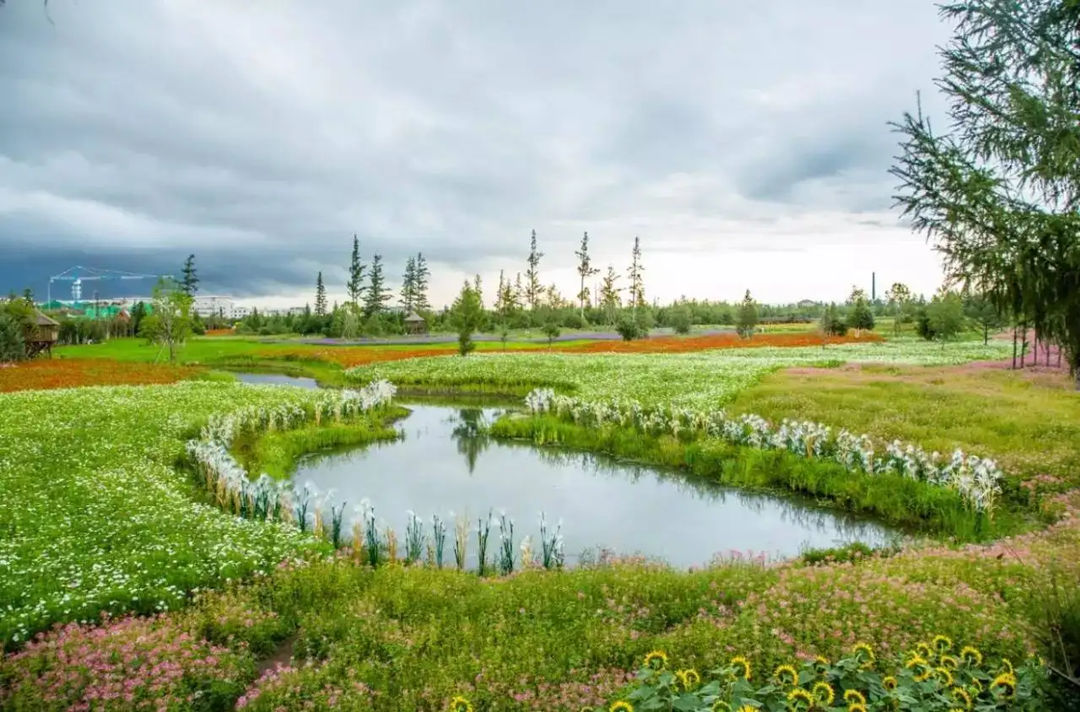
x=105, y=512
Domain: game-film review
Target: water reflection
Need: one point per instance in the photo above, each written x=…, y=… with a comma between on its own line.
x=446, y=463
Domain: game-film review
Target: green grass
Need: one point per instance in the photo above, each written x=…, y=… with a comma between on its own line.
x=1030, y=425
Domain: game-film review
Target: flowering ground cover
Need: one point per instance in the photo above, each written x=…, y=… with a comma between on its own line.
x=683, y=344
x=705, y=379
x=44, y=374
x=95, y=515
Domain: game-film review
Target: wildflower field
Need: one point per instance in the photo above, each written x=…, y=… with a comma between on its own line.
x=133, y=520
x=706, y=379
x=71, y=373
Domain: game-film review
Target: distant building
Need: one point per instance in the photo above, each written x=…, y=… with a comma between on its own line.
x=415, y=324
x=215, y=305
x=806, y=303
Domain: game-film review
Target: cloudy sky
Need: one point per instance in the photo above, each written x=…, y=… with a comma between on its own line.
x=745, y=143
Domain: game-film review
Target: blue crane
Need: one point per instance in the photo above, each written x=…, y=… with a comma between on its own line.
x=79, y=274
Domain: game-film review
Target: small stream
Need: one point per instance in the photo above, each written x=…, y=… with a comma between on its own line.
x=445, y=464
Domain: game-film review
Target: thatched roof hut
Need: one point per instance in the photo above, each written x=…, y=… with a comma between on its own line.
x=415, y=324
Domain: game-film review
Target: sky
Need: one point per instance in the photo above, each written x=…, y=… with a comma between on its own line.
x=746, y=144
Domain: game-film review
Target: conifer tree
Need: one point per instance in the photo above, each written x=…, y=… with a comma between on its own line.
x=355, y=285
x=408, y=285
x=584, y=270
x=534, y=290
x=747, y=318
x=189, y=280
x=609, y=295
x=320, y=296
x=637, y=280
x=420, y=283
x=377, y=293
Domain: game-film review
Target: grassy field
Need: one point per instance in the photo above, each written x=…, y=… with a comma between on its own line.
x=1030, y=424
x=100, y=514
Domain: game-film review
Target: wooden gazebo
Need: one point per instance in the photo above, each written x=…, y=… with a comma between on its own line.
x=415, y=324
x=42, y=336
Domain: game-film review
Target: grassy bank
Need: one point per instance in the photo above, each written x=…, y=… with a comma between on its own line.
x=902, y=502
x=277, y=453
x=1030, y=424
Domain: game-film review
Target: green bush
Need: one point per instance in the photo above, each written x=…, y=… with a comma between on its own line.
x=12, y=347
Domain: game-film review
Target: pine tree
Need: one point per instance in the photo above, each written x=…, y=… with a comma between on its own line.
x=533, y=289
x=420, y=283
x=320, y=296
x=637, y=280
x=584, y=270
x=500, y=293
x=408, y=285
x=609, y=294
x=519, y=292
x=377, y=294
x=747, y=318
x=355, y=285
x=478, y=288
x=189, y=280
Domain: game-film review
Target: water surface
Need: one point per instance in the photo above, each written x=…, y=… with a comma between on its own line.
x=444, y=464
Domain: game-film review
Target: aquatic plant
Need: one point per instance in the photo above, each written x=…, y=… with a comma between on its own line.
x=414, y=538
x=438, y=527
x=551, y=544
x=483, y=530
x=506, y=544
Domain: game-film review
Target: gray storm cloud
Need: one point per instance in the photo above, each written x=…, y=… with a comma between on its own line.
x=262, y=136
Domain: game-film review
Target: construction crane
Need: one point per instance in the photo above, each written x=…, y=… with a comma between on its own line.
x=79, y=274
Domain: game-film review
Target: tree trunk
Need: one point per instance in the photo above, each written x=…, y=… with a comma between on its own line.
x=1014, y=349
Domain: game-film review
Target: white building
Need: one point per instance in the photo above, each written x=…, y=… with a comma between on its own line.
x=213, y=305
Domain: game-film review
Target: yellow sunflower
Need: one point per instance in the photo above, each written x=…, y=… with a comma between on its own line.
x=656, y=660
x=621, y=706
x=688, y=678
x=961, y=695
x=863, y=650
x=1007, y=666
x=748, y=708
x=742, y=667
x=919, y=667
x=949, y=662
x=823, y=693
x=924, y=651
x=821, y=665
x=460, y=704
x=944, y=675
x=971, y=656
x=720, y=706
x=856, y=707
x=976, y=686
x=854, y=697
x=800, y=699
x=942, y=643
x=786, y=676
x=889, y=682
x=1004, y=684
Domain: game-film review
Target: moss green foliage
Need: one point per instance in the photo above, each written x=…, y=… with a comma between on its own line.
x=892, y=498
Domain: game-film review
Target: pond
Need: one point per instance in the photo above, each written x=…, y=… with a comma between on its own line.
x=444, y=464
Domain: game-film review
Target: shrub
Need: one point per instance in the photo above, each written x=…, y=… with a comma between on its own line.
x=627, y=328
x=12, y=347
x=680, y=320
